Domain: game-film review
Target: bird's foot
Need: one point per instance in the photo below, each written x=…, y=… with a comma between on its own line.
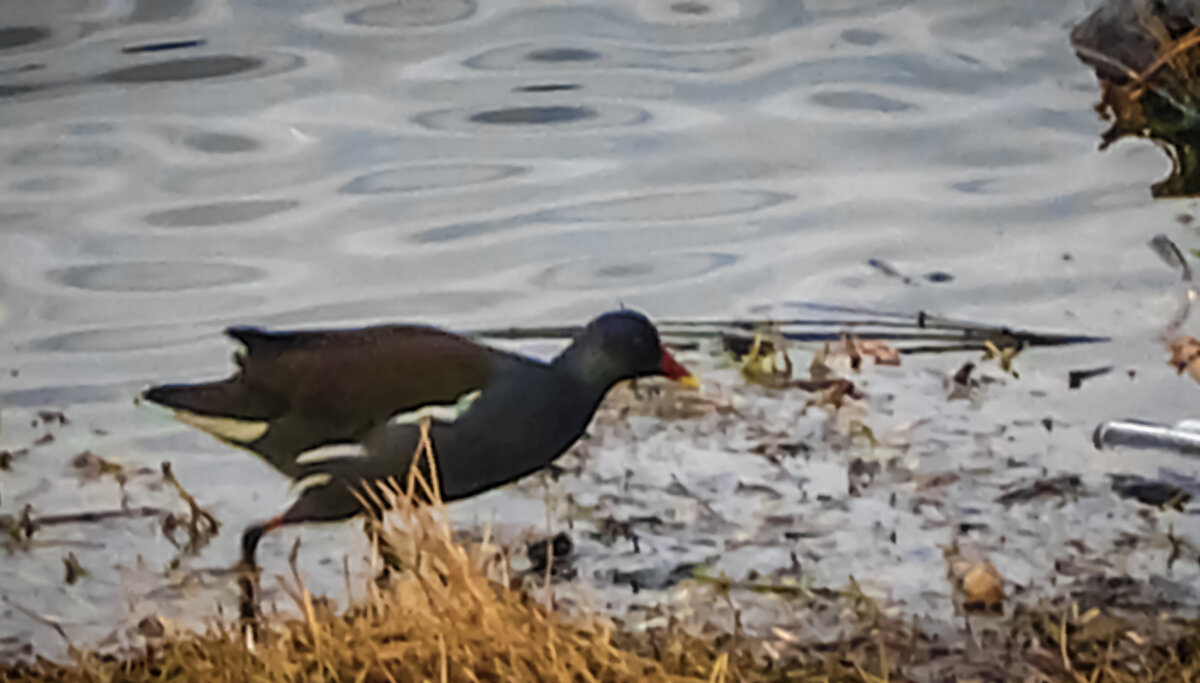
x=248, y=601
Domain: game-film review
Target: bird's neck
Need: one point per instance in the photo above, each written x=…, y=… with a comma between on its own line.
x=589, y=366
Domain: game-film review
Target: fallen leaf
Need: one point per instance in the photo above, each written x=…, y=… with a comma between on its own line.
x=1062, y=486
x=52, y=416
x=74, y=570
x=92, y=466
x=932, y=481
x=1185, y=355
x=983, y=587
x=857, y=349
x=767, y=362
x=1004, y=355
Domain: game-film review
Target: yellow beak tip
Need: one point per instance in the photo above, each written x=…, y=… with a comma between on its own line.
x=690, y=382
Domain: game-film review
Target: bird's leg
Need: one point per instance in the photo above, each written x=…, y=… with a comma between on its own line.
x=248, y=572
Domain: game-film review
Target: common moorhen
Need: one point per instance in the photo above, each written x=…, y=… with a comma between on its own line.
x=338, y=409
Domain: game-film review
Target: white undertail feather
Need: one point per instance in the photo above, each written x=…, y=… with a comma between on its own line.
x=227, y=428
x=330, y=452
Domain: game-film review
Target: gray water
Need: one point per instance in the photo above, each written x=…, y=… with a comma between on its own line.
x=171, y=168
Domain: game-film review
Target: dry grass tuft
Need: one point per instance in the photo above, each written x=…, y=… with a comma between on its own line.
x=443, y=620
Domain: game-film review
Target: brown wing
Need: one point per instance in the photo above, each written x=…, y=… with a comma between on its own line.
x=373, y=372
x=295, y=391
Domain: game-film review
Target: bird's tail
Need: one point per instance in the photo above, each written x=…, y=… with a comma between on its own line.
x=227, y=398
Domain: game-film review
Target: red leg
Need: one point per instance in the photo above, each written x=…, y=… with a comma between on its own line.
x=247, y=606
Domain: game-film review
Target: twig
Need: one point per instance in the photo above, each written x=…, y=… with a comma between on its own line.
x=293, y=556
x=44, y=621
x=27, y=524
x=928, y=328
x=703, y=503
x=1062, y=643
x=1182, y=44
x=201, y=524
x=1088, y=53
x=1169, y=252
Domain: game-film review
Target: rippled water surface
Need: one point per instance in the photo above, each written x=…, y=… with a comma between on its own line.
x=170, y=168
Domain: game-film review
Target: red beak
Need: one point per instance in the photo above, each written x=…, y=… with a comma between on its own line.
x=672, y=368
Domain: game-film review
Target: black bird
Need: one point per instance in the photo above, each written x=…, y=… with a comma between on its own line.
x=339, y=410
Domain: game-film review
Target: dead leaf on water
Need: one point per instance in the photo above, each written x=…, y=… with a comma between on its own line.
x=1185, y=356
x=1062, y=486
x=935, y=480
x=1004, y=355
x=975, y=579
x=767, y=362
x=856, y=349
x=74, y=570
x=90, y=466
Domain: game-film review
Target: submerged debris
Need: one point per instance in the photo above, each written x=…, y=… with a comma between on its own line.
x=1076, y=378
x=856, y=349
x=49, y=417
x=74, y=570
x=1159, y=494
x=199, y=525
x=1062, y=486
x=1004, y=355
x=766, y=362
x=90, y=466
x=551, y=555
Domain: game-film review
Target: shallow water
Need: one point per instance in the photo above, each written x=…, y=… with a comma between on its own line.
x=171, y=168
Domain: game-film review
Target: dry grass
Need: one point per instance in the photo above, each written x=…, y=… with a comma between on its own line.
x=450, y=616
x=445, y=620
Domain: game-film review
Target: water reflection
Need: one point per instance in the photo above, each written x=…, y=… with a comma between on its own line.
x=185, y=69
x=429, y=177
x=154, y=276
x=861, y=100
x=54, y=154
x=560, y=58
x=413, y=13
x=562, y=54
x=555, y=117
x=632, y=271
x=112, y=340
x=219, y=213
x=220, y=143
x=15, y=37
x=548, y=87
x=532, y=116
x=157, y=11
x=163, y=46
x=678, y=204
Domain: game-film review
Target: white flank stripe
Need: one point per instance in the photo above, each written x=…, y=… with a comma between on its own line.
x=332, y=451
x=440, y=413
x=312, y=481
x=228, y=428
